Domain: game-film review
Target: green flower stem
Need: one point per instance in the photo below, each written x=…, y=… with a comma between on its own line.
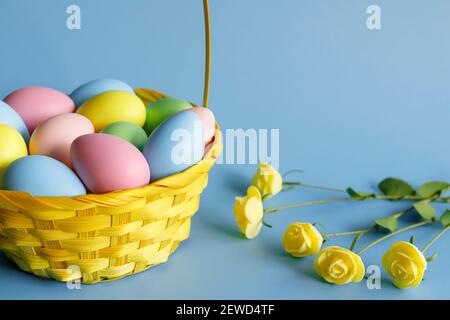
x=432, y=241
x=413, y=198
x=376, y=197
x=312, y=186
x=339, y=234
x=355, y=241
x=370, y=245
x=303, y=204
x=358, y=233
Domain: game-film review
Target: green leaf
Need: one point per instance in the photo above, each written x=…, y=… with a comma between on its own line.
x=432, y=258
x=445, y=218
x=412, y=239
x=424, y=209
x=396, y=187
x=352, y=193
x=363, y=195
x=432, y=188
x=390, y=222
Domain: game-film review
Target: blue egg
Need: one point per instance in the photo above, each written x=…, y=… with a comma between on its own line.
x=10, y=117
x=175, y=145
x=95, y=87
x=42, y=176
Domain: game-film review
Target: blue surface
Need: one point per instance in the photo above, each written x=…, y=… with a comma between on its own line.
x=353, y=106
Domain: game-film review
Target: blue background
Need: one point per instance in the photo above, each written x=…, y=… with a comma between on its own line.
x=353, y=106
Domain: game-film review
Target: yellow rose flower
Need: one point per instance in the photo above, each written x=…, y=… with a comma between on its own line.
x=339, y=266
x=405, y=264
x=268, y=180
x=302, y=239
x=248, y=212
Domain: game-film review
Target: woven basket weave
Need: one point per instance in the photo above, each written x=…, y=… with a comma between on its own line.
x=95, y=238
x=103, y=237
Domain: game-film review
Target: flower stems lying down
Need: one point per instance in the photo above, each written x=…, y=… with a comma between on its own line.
x=404, y=262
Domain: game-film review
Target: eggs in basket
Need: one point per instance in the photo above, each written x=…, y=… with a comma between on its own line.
x=100, y=138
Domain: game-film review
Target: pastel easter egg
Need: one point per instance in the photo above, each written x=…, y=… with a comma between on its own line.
x=175, y=145
x=10, y=117
x=128, y=131
x=107, y=163
x=162, y=109
x=37, y=104
x=208, y=120
x=113, y=106
x=12, y=147
x=42, y=176
x=54, y=136
x=92, y=88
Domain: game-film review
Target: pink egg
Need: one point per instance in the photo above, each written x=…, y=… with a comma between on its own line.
x=54, y=136
x=37, y=104
x=208, y=121
x=107, y=163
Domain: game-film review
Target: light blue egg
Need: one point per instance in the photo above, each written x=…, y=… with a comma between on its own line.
x=95, y=87
x=10, y=117
x=175, y=145
x=42, y=176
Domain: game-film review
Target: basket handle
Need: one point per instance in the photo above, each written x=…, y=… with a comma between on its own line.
x=207, y=53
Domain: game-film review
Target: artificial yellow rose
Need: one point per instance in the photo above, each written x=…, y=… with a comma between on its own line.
x=248, y=212
x=339, y=266
x=405, y=264
x=268, y=180
x=302, y=239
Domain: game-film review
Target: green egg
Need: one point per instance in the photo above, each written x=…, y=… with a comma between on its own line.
x=128, y=131
x=162, y=109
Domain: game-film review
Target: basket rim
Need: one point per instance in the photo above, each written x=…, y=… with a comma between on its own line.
x=211, y=156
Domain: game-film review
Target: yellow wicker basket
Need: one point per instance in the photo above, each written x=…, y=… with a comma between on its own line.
x=95, y=238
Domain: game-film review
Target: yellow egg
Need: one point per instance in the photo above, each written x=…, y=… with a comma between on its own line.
x=113, y=106
x=12, y=147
